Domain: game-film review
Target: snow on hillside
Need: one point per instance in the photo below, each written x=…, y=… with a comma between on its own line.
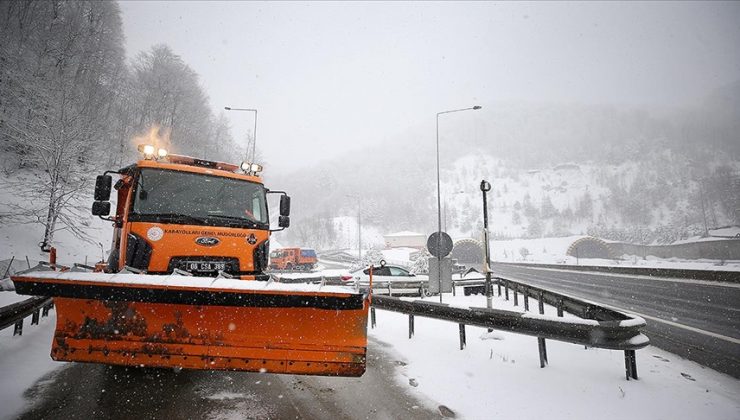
x=570, y=198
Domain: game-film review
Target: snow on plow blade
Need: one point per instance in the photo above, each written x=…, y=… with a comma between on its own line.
x=204, y=323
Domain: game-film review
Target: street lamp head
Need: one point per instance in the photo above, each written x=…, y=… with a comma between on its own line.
x=228, y=108
x=485, y=186
x=477, y=107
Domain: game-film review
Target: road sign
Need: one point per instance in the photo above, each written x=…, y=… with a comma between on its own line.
x=438, y=246
x=445, y=270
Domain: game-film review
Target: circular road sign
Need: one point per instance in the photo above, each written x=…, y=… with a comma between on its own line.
x=439, y=244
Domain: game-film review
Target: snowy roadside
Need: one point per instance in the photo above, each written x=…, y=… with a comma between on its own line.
x=498, y=375
x=23, y=361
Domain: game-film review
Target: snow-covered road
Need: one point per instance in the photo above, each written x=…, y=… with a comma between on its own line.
x=85, y=391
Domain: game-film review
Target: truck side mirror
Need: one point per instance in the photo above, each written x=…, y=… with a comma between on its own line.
x=101, y=208
x=102, y=187
x=283, y=221
x=284, y=207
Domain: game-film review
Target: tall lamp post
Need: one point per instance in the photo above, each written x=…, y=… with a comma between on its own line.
x=485, y=186
x=254, y=133
x=439, y=199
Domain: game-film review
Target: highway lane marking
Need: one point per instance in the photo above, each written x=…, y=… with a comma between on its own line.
x=639, y=276
x=671, y=323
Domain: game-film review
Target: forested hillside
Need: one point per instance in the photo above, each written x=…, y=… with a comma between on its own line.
x=72, y=106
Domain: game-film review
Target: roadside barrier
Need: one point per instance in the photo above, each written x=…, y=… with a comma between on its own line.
x=38, y=306
x=595, y=326
x=709, y=275
x=15, y=313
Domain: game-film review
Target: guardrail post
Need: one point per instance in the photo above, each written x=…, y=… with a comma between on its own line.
x=541, y=303
x=506, y=289
x=18, y=329
x=462, y=336
x=515, y=289
x=630, y=364
x=372, y=317
x=453, y=289
x=560, y=307
x=411, y=326
x=526, y=299
x=35, y=317
x=543, y=351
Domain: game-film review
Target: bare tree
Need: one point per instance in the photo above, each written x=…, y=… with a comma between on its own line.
x=57, y=116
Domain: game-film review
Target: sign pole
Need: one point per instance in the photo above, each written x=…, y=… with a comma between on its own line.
x=439, y=245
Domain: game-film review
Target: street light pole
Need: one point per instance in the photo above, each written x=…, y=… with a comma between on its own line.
x=485, y=186
x=254, y=133
x=439, y=200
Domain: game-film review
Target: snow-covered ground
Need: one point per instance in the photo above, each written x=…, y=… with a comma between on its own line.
x=24, y=360
x=498, y=375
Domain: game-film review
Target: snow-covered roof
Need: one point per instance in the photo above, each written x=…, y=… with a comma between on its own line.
x=405, y=233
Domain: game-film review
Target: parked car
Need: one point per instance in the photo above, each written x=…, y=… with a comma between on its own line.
x=392, y=280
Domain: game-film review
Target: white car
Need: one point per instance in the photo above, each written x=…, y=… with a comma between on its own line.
x=392, y=280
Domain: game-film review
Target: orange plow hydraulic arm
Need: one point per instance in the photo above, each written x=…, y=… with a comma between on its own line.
x=202, y=323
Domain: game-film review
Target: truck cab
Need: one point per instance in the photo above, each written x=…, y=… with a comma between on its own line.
x=186, y=215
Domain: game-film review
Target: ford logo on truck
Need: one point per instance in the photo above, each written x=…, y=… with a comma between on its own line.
x=207, y=241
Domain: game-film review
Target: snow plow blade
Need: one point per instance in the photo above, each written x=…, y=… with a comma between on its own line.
x=204, y=323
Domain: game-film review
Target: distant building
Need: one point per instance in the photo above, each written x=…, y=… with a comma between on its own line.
x=405, y=239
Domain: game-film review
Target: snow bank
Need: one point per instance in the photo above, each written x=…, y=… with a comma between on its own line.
x=498, y=376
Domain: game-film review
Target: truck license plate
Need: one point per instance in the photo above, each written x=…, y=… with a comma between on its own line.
x=205, y=266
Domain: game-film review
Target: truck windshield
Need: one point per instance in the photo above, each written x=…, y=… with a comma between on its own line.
x=190, y=198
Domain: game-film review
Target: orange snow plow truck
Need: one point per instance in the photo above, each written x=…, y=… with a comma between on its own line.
x=184, y=285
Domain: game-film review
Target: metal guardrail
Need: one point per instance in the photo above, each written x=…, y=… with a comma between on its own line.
x=37, y=306
x=597, y=326
x=397, y=287
x=709, y=275
x=15, y=313
x=562, y=302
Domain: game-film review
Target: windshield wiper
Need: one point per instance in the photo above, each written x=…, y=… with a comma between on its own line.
x=235, y=219
x=180, y=218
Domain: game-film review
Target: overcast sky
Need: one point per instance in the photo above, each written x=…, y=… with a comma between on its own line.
x=330, y=77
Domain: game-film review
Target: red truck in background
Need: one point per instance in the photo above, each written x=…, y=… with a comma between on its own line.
x=293, y=259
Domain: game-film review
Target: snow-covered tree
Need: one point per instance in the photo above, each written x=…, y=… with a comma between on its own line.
x=58, y=99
